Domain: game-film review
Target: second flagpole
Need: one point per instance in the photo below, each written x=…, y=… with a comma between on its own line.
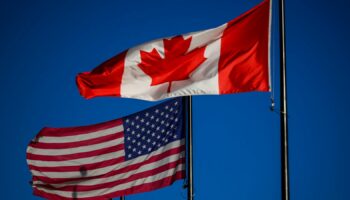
x=283, y=106
x=189, y=166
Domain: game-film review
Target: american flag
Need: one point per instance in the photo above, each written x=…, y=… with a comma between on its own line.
x=138, y=153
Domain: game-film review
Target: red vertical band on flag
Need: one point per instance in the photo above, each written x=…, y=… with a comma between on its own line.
x=105, y=80
x=243, y=63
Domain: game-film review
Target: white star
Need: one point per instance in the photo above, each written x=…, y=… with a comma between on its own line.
x=148, y=131
x=176, y=103
x=128, y=129
x=162, y=122
x=144, y=146
x=139, y=152
x=142, y=120
x=137, y=126
x=152, y=117
x=137, y=117
x=158, y=136
x=129, y=147
x=158, y=145
x=153, y=134
x=175, y=136
x=176, y=119
x=166, y=107
x=167, y=124
x=157, y=128
x=163, y=130
x=129, y=155
x=132, y=132
x=153, y=143
x=166, y=116
x=138, y=135
x=153, y=125
x=139, y=143
x=147, y=114
x=171, y=109
x=148, y=140
x=147, y=123
x=133, y=141
x=132, y=123
x=128, y=138
x=162, y=113
x=157, y=111
x=143, y=129
x=166, y=140
x=127, y=120
x=149, y=149
x=157, y=119
x=134, y=149
x=143, y=137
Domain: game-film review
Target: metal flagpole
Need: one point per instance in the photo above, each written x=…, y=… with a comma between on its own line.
x=190, y=195
x=283, y=102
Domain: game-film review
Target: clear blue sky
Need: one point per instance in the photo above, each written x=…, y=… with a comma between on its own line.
x=44, y=44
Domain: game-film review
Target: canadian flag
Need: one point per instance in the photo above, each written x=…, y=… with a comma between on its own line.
x=228, y=59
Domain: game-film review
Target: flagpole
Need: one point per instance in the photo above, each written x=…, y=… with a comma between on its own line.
x=283, y=102
x=190, y=195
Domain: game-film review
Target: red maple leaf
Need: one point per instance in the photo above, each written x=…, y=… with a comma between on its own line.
x=177, y=64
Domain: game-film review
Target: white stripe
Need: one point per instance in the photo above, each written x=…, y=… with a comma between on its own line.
x=99, y=192
x=125, y=175
x=77, y=162
x=82, y=137
x=62, y=152
x=107, y=169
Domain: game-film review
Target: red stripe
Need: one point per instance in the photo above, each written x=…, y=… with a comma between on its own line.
x=79, y=130
x=75, y=155
x=115, y=172
x=105, y=80
x=133, y=190
x=85, y=167
x=65, y=145
x=243, y=63
x=82, y=188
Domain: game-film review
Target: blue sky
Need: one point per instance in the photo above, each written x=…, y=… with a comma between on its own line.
x=44, y=44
